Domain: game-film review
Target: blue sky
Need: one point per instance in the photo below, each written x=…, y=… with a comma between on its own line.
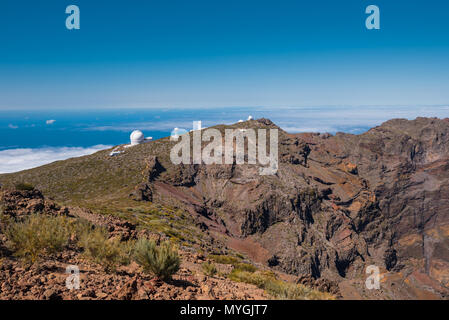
x=205, y=54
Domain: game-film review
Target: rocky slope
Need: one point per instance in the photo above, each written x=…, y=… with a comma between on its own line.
x=46, y=279
x=336, y=205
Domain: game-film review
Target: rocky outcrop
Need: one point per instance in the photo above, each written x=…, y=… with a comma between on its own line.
x=143, y=192
x=47, y=281
x=17, y=203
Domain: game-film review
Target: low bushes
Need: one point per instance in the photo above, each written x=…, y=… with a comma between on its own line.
x=224, y=259
x=244, y=267
x=35, y=236
x=24, y=186
x=38, y=235
x=110, y=253
x=267, y=280
x=209, y=269
x=236, y=263
x=278, y=288
x=163, y=260
x=257, y=279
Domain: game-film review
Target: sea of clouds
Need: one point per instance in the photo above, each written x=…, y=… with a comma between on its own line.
x=13, y=160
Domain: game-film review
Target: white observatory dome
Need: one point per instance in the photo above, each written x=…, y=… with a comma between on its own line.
x=137, y=137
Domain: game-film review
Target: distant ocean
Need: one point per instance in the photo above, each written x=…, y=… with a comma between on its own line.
x=32, y=138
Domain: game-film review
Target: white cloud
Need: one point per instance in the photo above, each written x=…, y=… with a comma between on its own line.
x=13, y=160
x=50, y=121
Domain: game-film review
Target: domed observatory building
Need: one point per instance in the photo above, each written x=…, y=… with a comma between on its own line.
x=137, y=137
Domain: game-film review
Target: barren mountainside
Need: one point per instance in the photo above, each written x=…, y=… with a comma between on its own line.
x=337, y=204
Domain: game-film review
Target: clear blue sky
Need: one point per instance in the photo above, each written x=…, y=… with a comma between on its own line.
x=216, y=53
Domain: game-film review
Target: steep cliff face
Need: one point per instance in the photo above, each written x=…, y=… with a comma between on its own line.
x=337, y=203
x=405, y=164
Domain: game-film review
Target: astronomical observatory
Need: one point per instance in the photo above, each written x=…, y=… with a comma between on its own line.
x=137, y=137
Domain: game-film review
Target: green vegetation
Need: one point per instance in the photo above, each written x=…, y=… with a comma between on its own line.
x=224, y=259
x=291, y=291
x=234, y=261
x=278, y=288
x=174, y=223
x=244, y=267
x=33, y=237
x=163, y=260
x=23, y=186
x=240, y=256
x=110, y=253
x=38, y=235
x=96, y=177
x=209, y=269
x=237, y=264
x=257, y=278
x=267, y=280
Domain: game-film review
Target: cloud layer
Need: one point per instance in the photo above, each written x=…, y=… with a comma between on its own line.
x=13, y=160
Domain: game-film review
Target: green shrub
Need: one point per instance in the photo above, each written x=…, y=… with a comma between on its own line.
x=163, y=260
x=38, y=235
x=278, y=288
x=209, y=269
x=287, y=291
x=223, y=259
x=245, y=267
x=257, y=279
x=240, y=256
x=110, y=253
x=23, y=186
x=238, y=266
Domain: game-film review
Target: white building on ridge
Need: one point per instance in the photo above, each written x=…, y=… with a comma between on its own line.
x=137, y=137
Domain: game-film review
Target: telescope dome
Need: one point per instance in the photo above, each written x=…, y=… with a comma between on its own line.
x=137, y=137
